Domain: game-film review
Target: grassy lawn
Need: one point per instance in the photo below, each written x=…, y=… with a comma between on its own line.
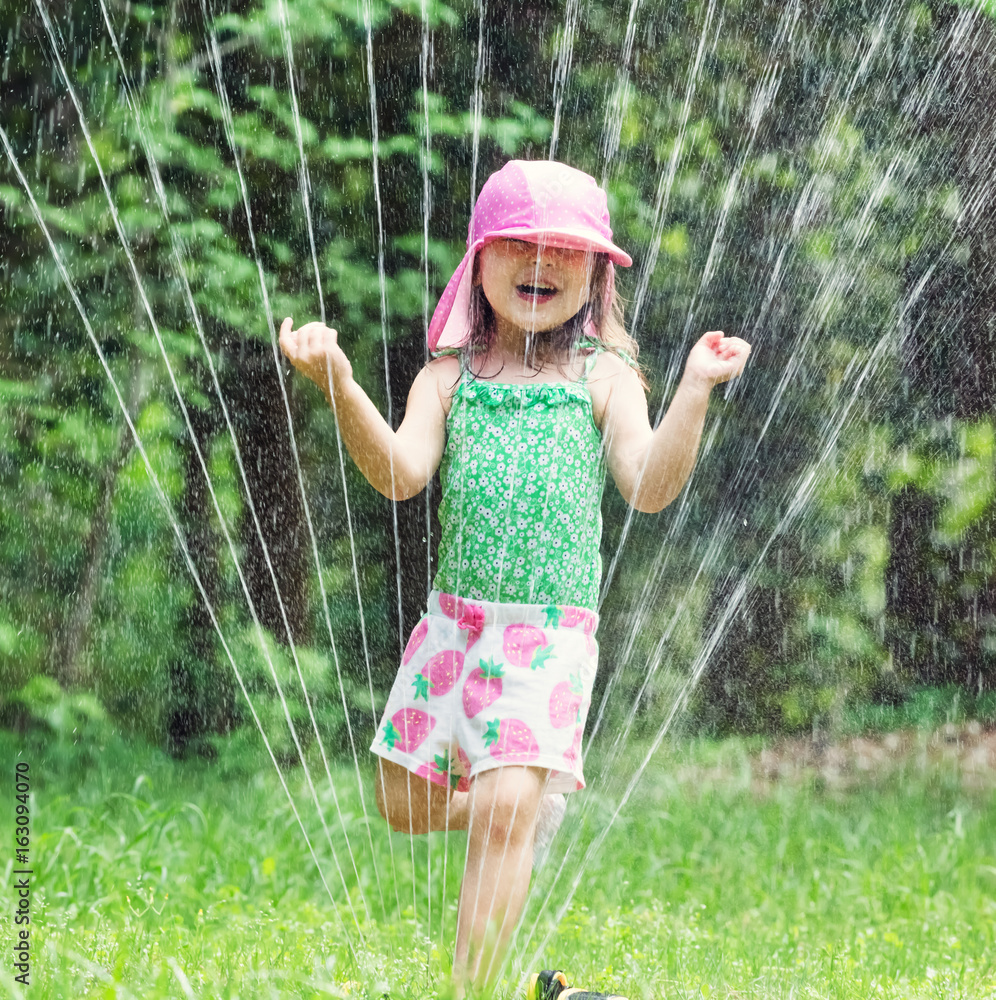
x=868, y=869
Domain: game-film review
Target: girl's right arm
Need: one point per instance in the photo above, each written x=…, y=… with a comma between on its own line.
x=399, y=463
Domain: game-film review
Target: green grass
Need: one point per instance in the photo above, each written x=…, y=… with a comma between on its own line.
x=163, y=879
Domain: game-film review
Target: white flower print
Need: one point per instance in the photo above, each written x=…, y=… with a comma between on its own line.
x=523, y=469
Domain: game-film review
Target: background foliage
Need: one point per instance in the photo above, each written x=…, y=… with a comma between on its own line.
x=814, y=177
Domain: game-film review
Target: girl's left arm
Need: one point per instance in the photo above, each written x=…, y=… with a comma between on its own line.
x=651, y=466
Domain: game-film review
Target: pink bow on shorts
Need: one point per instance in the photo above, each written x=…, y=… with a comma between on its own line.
x=471, y=617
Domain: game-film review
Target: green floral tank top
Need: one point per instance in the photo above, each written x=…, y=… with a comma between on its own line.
x=522, y=475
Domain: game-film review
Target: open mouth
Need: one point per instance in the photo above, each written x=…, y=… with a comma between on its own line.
x=536, y=293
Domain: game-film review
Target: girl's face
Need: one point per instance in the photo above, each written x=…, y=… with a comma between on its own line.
x=533, y=287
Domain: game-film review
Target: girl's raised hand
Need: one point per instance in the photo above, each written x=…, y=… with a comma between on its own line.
x=715, y=358
x=314, y=350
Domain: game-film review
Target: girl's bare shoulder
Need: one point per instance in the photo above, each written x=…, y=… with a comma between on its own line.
x=610, y=374
x=445, y=375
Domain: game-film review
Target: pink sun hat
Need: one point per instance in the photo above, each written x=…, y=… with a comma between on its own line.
x=538, y=201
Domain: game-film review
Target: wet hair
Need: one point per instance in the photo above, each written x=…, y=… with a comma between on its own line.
x=551, y=346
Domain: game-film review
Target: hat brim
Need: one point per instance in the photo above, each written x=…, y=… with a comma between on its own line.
x=450, y=325
x=570, y=239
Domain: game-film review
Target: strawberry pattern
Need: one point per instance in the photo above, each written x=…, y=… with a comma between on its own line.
x=565, y=702
x=526, y=646
x=519, y=696
x=415, y=640
x=512, y=741
x=483, y=687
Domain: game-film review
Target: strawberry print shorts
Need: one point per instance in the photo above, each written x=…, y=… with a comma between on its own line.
x=483, y=685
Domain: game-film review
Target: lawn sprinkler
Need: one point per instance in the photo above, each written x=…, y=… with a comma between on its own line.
x=552, y=985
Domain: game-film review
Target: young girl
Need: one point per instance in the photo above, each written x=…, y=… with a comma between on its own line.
x=532, y=392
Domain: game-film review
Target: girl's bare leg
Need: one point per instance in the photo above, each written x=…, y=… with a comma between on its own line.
x=414, y=805
x=502, y=820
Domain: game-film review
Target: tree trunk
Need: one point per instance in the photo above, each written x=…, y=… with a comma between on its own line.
x=201, y=691
x=740, y=688
x=911, y=602
x=260, y=421
x=71, y=642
